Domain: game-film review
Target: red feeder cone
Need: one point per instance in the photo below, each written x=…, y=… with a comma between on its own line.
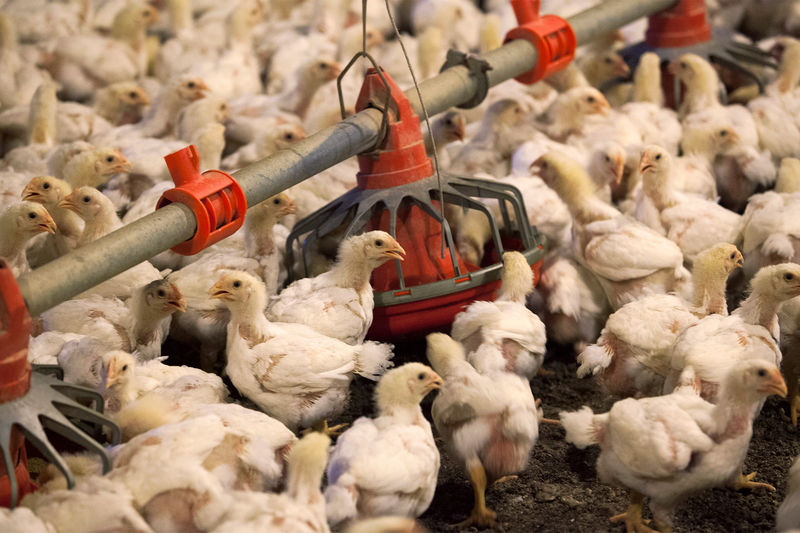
x=398, y=192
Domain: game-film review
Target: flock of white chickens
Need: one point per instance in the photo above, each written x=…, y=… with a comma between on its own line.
x=658, y=222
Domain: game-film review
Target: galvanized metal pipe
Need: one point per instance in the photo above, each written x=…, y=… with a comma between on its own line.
x=94, y=263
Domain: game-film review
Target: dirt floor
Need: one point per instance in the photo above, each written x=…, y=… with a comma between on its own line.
x=559, y=491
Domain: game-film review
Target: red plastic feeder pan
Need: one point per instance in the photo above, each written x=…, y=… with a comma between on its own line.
x=398, y=192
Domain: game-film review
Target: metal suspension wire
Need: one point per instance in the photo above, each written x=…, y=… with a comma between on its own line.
x=104, y=258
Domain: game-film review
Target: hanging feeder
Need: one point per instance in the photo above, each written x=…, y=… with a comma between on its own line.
x=31, y=402
x=683, y=29
x=398, y=192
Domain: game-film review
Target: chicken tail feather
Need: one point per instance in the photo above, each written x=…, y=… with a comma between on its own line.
x=373, y=359
x=594, y=359
x=581, y=427
x=340, y=504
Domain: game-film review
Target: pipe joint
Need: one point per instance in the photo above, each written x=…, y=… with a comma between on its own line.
x=552, y=36
x=216, y=199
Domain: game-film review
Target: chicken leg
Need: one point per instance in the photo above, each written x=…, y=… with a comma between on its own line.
x=746, y=482
x=325, y=429
x=481, y=516
x=791, y=371
x=632, y=517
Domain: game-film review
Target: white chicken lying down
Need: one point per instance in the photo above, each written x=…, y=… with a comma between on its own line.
x=694, y=224
x=339, y=303
x=789, y=318
x=292, y=372
x=771, y=222
x=299, y=509
x=488, y=419
x=139, y=324
x=632, y=355
x=18, y=225
x=668, y=447
x=504, y=335
x=387, y=465
x=181, y=474
x=629, y=259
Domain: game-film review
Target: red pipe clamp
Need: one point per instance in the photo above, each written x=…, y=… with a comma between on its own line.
x=15, y=375
x=215, y=198
x=551, y=35
x=684, y=24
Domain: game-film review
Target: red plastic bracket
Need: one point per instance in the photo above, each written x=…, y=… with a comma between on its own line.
x=215, y=198
x=15, y=371
x=552, y=36
x=684, y=24
x=401, y=158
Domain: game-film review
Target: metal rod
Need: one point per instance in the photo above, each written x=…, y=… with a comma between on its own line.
x=84, y=268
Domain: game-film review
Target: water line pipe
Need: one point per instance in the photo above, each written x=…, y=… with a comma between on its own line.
x=71, y=274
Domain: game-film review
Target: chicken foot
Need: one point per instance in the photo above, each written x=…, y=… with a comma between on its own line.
x=791, y=371
x=325, y=429
x=632, y=517
x=746, y=482
x=540, y=413
x=481, y=516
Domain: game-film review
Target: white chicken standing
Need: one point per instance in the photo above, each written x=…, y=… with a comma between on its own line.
x=339, y=302
x=632, y=355
x=387, y=465
x=18, y=225
x=289, y=370
x=504, y=335
x=668, y=447
x=488, y=419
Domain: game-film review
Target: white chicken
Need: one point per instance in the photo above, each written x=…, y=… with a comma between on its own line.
x=300, y=508
x=504, y=335
x=694, y=224
x=387, y=465
x=339, y=302
x=289, y=370
x=488, y=419
x=139, y=324
x=49, y=191
x=668, y=447
x=632, y=355
x=18, y=225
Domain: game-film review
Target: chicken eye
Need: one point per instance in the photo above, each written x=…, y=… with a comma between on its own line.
x=448, y=122
x=288, y=136
x=762, y=372
x=788, y=276
x=607, y=159
x=124, y=368
x=110, y=158
x=45, y=185
x=237, y=284
x=86, y=199
x=379, y=243
x=190, y=85
x=723, y=133
x=733, y=255
x=276, y=201
x=31, y=215
x=658, y=157
x=323, y=66
x=161, y=293
x=421, y=376
x=682, y=64
x=590, y=99
x=607, y=61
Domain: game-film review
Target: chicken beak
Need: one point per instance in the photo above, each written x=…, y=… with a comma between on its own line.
x=49, y=225
x=535, y=169
x=113, y=374
x=290, y=208
x=621, y=68
x=461, y=127
x=145, y=100
x=601, y=106
x=395, y=252
x=200, y=90
x=435, y=383
x=739, y=260
x=177, y=304
x=334, y=71
x=122, y=166
x=68, y=203
x=30, y=193
x=672, y=68
x=619, y=169
x=776, y=385
x=646, y=163
x=217, y=291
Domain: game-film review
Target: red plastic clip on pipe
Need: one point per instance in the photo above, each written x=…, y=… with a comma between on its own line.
x=552, y=36
x=215, y=198
x=15, y=374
